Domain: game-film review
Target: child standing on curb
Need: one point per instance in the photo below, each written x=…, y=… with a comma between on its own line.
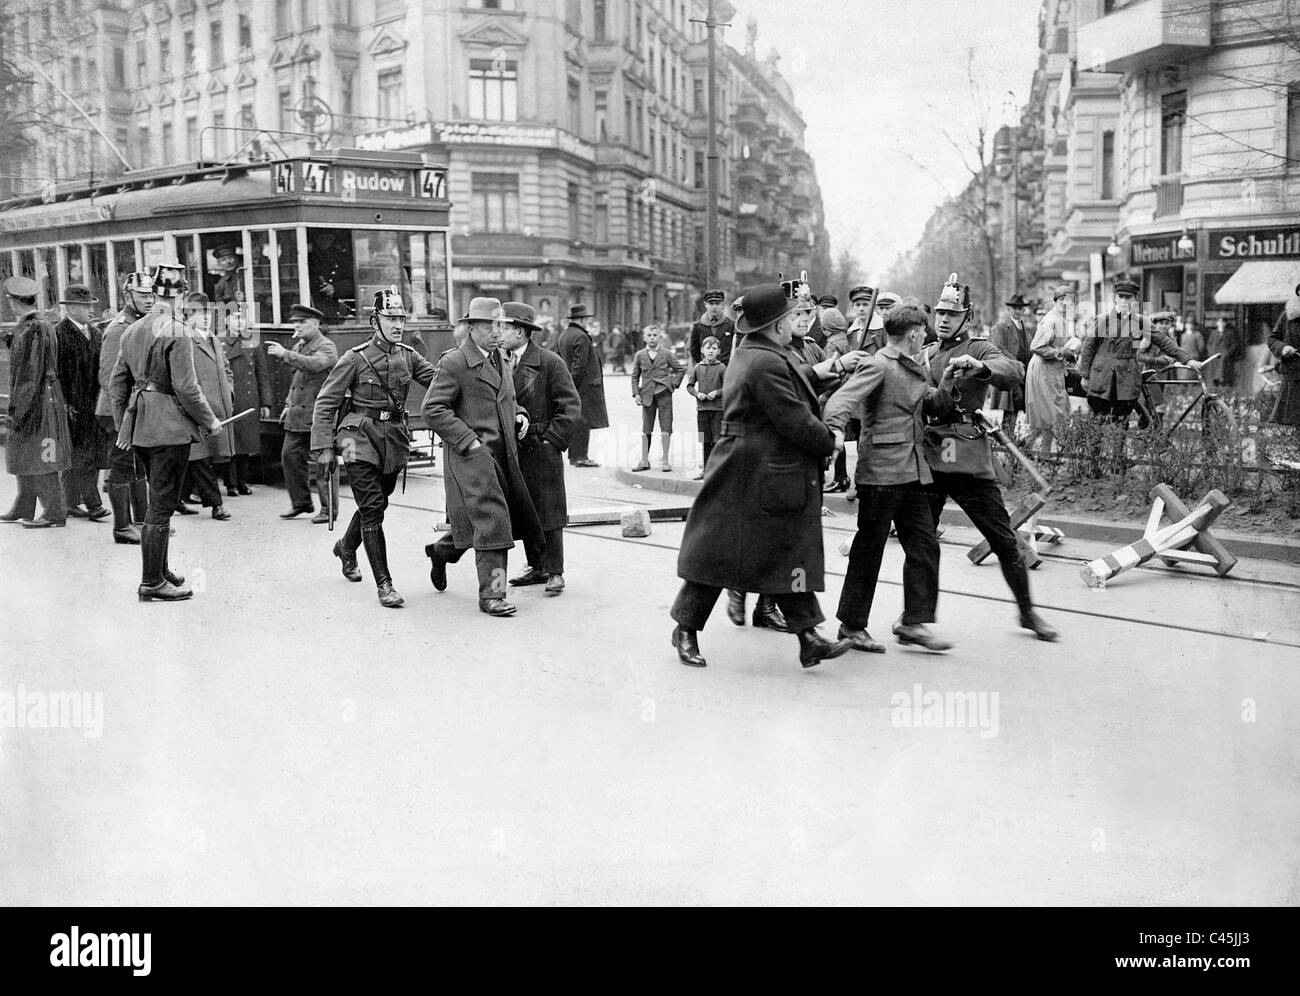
x=705, y=385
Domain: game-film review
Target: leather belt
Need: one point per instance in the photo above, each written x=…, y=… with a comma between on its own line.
x=733, y=428
x=383, y=413
x=155, y=389
x=538, y=428
x=964, y=419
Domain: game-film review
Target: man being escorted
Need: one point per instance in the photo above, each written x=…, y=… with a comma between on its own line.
x=38, y=449
x=756, y=524
x=128, y=492
x=888, y=394
x=959, y=453
x=471, y=405
x=160, y=409
x=79, y=343
x=546, y=393
x=372, y=437
x=312, y=358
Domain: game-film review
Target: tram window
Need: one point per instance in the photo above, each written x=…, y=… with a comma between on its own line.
x=6, y=266
x=47, y=276
x=99, y=276
x=383, y=260
x=286, y=244
x=437, y=272
x=27, y=263
x=123, y=263
x=419, y=256
x=331, y=273
x=260, y=246
x=72, y=253
x=153, y=250
x=223, y=266
x=186, y=257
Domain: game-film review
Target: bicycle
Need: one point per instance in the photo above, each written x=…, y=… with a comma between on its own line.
x=1215, y=412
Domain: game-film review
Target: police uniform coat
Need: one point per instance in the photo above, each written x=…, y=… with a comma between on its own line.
x=1014, y=342
x=373, y=375
x=109, y=347
x=155, y=392
x=1286, y=332
x=544, y=389
x=78, y=364
x=250, y=383
x=756, y=524
x=311, y=360
x=488, y=504
x=957, y=447
x=1109, y=353
x=38, y=439
x=213, y=374
x=575, y=349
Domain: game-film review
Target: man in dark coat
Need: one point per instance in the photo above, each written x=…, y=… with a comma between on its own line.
x=471, y=406
x=160, y=409
x=38, y=449
x=713, y=322
x=251, y=385
x=312, y=358
x=575, y=349
x=373, y=436
x=1012, y=336
x=756, y=524
x=79, y=345
x=545, y=391
x=959, y=453
x=128, y=491
x=1284, y=344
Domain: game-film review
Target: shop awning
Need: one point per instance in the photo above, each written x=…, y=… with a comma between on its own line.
x=1261, y=281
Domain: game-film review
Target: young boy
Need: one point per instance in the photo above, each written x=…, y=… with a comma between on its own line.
x=705, y=384
x=656, y=373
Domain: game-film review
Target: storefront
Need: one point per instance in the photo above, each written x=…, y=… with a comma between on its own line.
x=1166, y=265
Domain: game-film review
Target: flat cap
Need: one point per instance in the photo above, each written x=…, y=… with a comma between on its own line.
x=22, y=287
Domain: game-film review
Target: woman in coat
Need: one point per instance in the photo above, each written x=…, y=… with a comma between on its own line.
x=756, y=524
x=251, y=386
x=214, y=380
x=1046, y=399
x=1284, y=344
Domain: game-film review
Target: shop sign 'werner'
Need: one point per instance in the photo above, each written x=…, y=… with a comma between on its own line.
x=364, y=183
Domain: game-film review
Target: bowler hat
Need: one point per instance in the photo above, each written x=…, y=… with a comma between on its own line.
x=78, y=294
x=519, y=314
x=304, y=311
x=828, y=301
x=22, y=287
x=579, y=311
x=1126, y=285
x=714, y=295
x=1018, y=301
x=1062, y=290
x=762, y=305
x=861, y=293
x=483, y=309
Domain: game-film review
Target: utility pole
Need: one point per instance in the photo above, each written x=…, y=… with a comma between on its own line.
x=711, y=183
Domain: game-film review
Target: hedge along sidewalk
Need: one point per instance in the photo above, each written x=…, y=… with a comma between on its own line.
x=1104, y=531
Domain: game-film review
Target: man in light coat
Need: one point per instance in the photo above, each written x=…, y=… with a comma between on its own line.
x=312, y=358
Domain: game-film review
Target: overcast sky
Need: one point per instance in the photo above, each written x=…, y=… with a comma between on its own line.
x=879, y=81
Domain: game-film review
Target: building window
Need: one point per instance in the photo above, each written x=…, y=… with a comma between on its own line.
x=216, y=55
x=191, y=138
x=493, y=4
x=385, y=9
x=697, y=87
x=141, y=63
x=282, y=15
x=1173, y=117
x=143, y=146
x=286, y=114
x=246, y=117
x=602, y=114
x=168, y=151
x=493, y=92
x=348, y=87
x=306, y=13
x=1107, y=165
x=699, y=170
x=602, y=222
x=187, y=41
x=1293, y=125
x=391, y=100
x=494, y=202
x=219, y=137
x=575, y=106
x=245, y=34
x=343, y=11
x=598, y=28
x=165, y=56
x=575, y=213
x=628, y=122
x=119, y=66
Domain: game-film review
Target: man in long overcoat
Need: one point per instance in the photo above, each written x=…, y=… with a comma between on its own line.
x=79, y=343
x=250, y=382
x=209, y=456
x=756, y=524
x=1012, y=336
x=545, y=391
x=38, y=448
x=575, y=349
x=471, y=405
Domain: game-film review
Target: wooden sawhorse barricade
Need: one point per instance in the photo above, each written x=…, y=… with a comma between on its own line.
x=1024, y=522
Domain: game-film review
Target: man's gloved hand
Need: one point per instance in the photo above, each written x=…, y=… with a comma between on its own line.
x=325, y=460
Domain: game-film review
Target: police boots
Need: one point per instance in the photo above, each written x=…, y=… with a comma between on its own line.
x=124, y=530
x=349, y=560
x=156, y=583
x=768, y=616
x=736, y=606
x=372, y=538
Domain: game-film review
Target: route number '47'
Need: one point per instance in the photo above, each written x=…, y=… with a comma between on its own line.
x=433, y=183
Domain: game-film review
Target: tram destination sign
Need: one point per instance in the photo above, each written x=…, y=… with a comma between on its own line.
x=358, y=183
x=86, y=214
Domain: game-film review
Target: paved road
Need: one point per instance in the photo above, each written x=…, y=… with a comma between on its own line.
x=283, y=739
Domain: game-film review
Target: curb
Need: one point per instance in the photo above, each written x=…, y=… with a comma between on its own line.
x=1114, y=533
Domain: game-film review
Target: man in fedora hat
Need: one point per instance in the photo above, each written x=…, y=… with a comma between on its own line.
x=1108, y=360
x=756, y=523
x=312, y=358
x=545, y=391
x=471, y=405
x=1012, y=336
x=160, y=410
x=79, y=344
x=575, y=349
x=38, y=448
x=713, y=322
x=371, y=435
x=128, y=491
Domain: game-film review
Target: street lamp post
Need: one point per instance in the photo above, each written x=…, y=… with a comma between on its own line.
x=712, y=242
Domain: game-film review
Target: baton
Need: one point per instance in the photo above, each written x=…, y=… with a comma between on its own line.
x=977, y=417
x=332, y=493
x=233, y=418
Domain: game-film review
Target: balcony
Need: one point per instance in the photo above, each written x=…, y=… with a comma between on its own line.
x=749, y=116
x=1169, y=196
x=750, y=170
x=1147, y=34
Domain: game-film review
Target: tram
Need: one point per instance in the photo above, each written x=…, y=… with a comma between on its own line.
x=328, y=229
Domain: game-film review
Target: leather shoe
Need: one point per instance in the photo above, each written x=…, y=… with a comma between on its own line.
x=920, y=636
x=814, y=648
x=232, y=493
x=11, y=516
x=688, y=650
x=297, y=510
x=321, y=517
x=860, y=639
x=836, y=486
x=736, y=606
x=530, y=576
x=497, y=607
x=1032, y=620
x=587, y=463
x=437, y=568
x=220, y=514
x=768, y=616
x=350, y=569
x=183, y=509
x=637, y=469
x=77, y=512
x=389, y=598
x=243, y=489
x=98, y=514
x=43, y=523
x=555, y=584
x=163, y=591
